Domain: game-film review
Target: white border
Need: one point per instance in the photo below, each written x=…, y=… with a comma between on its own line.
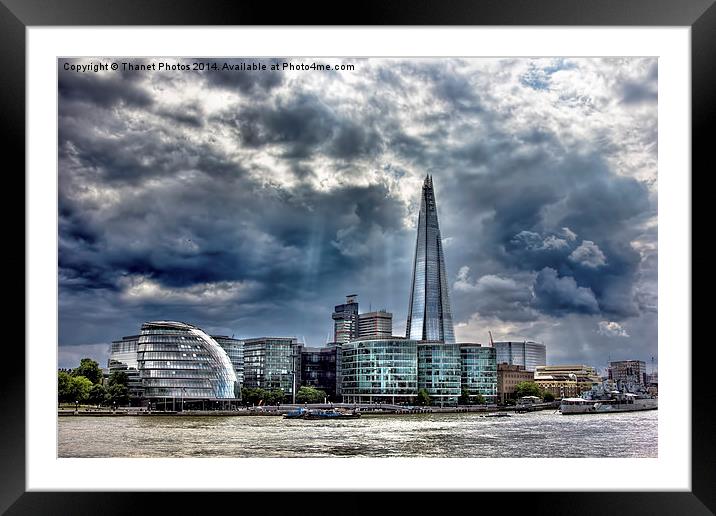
x=671, y=471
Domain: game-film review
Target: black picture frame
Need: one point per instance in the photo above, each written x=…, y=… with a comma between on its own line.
x=17, y=15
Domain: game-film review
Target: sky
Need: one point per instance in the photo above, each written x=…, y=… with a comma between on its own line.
x=249, y=203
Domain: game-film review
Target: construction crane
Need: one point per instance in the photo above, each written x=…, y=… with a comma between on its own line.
x=492, y=343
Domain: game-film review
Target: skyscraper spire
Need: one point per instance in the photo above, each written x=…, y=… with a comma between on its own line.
x=429, y=314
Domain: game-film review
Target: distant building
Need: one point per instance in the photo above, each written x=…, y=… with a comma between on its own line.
x=375, y=325
x=345, y=320
x=178, y=361
x=235, y=349
x=272, y=363
x=123, y=358
x=478, y=368
x=628, y=372
x=384, y=371
x=508, y=376
x=320, y=369
x=526, y=353
x=565, y=381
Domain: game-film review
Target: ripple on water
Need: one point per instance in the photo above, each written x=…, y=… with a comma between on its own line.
x=539, y=434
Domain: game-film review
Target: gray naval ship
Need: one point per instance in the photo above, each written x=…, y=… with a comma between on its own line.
x=603, y=398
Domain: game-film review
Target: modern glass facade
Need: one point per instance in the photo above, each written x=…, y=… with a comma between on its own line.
x=479, y=371
x=527, y=354
x=178, y=360
x=379, y=371
x=319, y=369
x=439, y=372
x=235, y=349
x=272, y=363
x=429, y=314
x=123, y=357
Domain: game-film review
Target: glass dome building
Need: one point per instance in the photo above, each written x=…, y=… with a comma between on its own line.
x=179, y=361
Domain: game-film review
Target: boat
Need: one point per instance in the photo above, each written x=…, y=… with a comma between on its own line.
x=601, y=399
x=330, y=414
x=498, y=414
x=301, y=413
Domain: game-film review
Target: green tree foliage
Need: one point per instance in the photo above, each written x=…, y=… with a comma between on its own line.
x=89, y=369
x=79, y=389
x=464, y=397
x=479, y=399
x=547, y=396
x=527, y=389
x=423, y=397
x=98, y=395
x=118, y=377
x=310, y=395
x=118, y=394
x=254, y=395
x=64, y=387
x=274, y=397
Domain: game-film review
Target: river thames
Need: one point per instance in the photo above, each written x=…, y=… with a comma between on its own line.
x=535, y=434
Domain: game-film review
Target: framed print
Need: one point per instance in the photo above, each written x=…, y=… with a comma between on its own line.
x=438, y=250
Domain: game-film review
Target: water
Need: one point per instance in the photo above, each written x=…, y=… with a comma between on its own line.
x=536, y=434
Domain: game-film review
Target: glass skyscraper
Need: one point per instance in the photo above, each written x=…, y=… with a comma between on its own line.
x=429, y=314
x=527, y=354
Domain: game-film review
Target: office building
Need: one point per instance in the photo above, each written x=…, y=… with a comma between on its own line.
x=375, y=325
x=429, y=314
x=345, y=320
x=235, y=349
x=379, y=371
x=123, y=358
x=272, y=363
x=478, y=371
x=320, y=368
x=508, y=376
x=628, y=371
x=178, y=361
x=565, y=381
x=439, y=372
x=526, y=353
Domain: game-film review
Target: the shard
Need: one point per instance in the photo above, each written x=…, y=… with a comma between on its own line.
x=429, y=314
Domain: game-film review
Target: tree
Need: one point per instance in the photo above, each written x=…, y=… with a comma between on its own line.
x=527, y=389
x=253, y=395
x=547, y=396
x=64, y=387
x=479, y=399
x=98, y=395
x=310, y=395
x=274, y=397
x=118, y=377
x=89, y=369
x=79, y=389
x=423, y=397
x=465, y=397
x=118, y=394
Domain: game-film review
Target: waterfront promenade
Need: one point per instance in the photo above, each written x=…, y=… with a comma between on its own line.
x=372, y=409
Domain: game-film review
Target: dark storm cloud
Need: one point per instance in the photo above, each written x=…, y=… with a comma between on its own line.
x=246, y=81
x=258, y=216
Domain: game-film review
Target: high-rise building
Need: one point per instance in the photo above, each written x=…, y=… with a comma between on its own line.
x=375, y=325
x=628, y=371
x=272, y=363
x=177, y=360
x=526, y=353
x=345, y=320
x=439, y=372
x=429, y=314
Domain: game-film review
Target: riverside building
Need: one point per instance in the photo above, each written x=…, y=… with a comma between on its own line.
x=123, y=358
x=439, y=371
x=508, y=376
x=566, y=381
x=177, y=361
x=345, y=320
x=235, y=349
x=478, y=369
x=272, y=363
x=628, y=371
x=320, y=368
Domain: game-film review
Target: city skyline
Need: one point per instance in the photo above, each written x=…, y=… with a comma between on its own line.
x=253, y=209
